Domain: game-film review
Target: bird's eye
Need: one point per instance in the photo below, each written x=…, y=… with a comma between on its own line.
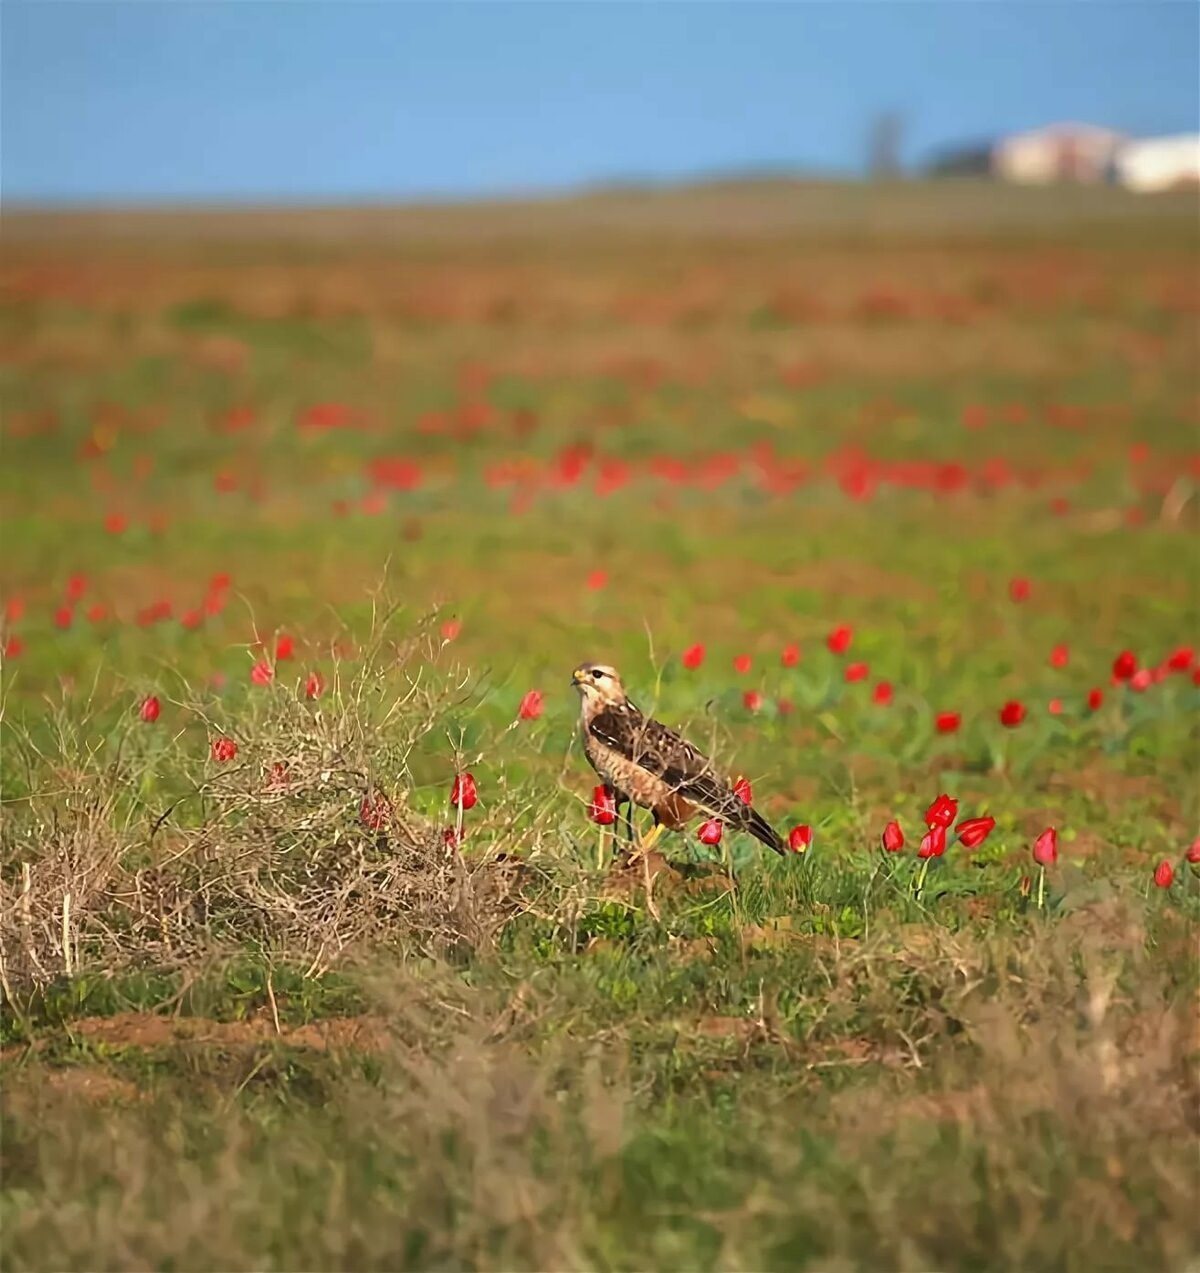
x=597, y=673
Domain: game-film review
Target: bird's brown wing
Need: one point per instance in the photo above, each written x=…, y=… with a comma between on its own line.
x=650, y=745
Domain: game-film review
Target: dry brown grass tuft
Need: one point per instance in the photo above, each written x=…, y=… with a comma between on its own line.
x=305, y=846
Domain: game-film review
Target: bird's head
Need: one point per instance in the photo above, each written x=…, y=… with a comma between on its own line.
x=598, y=684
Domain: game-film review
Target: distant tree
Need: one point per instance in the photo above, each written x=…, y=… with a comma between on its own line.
x=883, y=155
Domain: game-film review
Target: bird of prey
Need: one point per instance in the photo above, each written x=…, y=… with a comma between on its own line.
x=646, y=763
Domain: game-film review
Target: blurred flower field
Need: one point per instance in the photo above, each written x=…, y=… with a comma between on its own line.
x=306, y=880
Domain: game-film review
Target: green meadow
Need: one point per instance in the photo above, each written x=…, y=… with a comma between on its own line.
x=339, y=492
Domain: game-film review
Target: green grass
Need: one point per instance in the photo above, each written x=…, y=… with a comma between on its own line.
x=278, y=1038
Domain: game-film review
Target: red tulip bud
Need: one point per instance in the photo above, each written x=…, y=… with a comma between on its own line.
x=692, y=657
x=893, y=838
x=839, y=639
x=973, y=831
x=710, y=831
x=375, y=811
x=603, y=809
x=800, y=838
x=1012, y=713
x=942, y=812
x=531, y=705
x=1045, y=848
x=1124, y=665
x=933, y=843
x=463, y=791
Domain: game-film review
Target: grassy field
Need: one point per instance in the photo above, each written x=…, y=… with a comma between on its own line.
x=879, y=495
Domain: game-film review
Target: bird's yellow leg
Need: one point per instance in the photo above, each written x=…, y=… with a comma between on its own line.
x=647, y=842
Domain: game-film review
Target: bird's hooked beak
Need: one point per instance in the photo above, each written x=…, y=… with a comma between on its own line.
x=579, y=676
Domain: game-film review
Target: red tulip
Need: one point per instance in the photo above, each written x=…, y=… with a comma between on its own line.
x=463, y=791
x=150, y=709
x=1045, y=848
x=1164, y=874
x=14, y=609
x=1141, y=680
x=1193, y=852
x=603, y=809
x=1018, y=589
x=375, y=811
x=224, y=749
x=451, y=838
x=1094, y=699
x=1060, y=656
x=883, y=693
x=791, y=655
x=450, y=629
x=14, y=647
x=784, y=706
x=710, y=831
x=942, y=812
x=741, y=789
x=973, y=831
x=839, y=639
x=856, y=672
x=933, y=843
x=1055, y=707
x=1012, y=713
x=1181, y=659
x=1124, y=665
x=531, y=705
x=597, y=580
x=314, y=686
x=77, y=585
x=742, y=664
x=893, y=838
x=97, y=612
x=800, y=838
x=262, y=673
x=116, y=523
x=284, y=647
x=948, y=722
x=693, y=656
x=752, y=700
x=63, y=617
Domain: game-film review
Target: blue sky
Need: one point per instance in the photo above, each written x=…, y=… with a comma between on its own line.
x=291, y=101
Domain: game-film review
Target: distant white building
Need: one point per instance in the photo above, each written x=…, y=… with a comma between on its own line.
x=1160, y=163
x=1061, y=152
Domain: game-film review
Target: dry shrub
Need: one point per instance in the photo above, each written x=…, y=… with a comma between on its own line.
x=305, y=846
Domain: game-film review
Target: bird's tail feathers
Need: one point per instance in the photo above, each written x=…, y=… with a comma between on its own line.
x=762, y=830
x=719, y=802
